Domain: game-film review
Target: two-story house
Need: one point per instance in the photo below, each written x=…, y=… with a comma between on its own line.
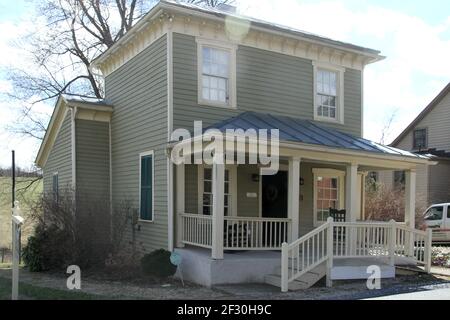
x=183, y=63
x=428, y=133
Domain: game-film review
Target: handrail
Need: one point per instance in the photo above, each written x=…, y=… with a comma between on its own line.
x=305, y=254
x=351, y=240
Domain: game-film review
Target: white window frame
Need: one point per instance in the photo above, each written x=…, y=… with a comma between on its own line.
x=141, y=155
x=414, y=138
x=328, y=173
x=231, y=48
x=232, y=171
x=339, y=91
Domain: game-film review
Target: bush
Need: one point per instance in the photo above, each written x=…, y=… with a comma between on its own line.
x=65, y=235
x=440, y=258
x=157, y=263
x=384, y=203
x=47, y=250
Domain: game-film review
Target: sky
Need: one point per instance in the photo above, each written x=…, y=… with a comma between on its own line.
x=414, y=36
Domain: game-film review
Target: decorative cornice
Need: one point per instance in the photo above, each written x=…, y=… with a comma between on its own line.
x=184, y=21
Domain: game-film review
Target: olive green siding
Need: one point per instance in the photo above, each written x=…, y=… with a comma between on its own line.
x=92, y=160
x=266, y=82
x=138, y=91
x=60, y=159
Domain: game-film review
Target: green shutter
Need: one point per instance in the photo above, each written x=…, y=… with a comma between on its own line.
x=146, y=188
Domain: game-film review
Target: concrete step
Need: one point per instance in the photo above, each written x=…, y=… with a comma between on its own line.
x=305, y=281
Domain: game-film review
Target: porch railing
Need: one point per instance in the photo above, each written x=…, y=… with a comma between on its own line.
x=240, y=233
x=255, y=233
x=353, y=240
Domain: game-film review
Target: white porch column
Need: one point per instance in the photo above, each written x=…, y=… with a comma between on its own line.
x=410, y=206
x=180, y=198
x=410, y=198
x=294, y=197
x=351, y=193
x=218, y=183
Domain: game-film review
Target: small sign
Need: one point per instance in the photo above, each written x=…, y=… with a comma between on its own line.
x=175, y=259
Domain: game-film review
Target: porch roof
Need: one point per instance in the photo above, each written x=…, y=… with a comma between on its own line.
x=308, y=132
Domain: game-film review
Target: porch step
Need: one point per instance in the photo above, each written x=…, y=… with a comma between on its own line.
x=304, y=282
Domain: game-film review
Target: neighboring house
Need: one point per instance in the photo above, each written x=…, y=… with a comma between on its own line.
x=428, y=134
x=183, y=63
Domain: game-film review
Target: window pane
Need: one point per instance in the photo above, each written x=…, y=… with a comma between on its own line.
x=434, y=213
x=208, y=186
x=216, y=64
x=208, y=174
x=207, y=211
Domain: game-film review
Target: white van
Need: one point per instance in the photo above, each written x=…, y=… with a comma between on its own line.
x=437, y=217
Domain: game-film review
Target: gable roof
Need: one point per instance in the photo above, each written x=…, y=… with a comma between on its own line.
x=59, y=113
x=308, y=132
x=215, y=13
x=423, y=114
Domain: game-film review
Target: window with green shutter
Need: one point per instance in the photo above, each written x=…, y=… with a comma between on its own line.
x=146, y=188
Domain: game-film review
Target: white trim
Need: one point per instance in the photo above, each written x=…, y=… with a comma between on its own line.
x=339, y=90
x=170, y=168
x=74, y=150
x=328, y=173
x=141, y=155
x=231, y=48
x=362, y=102
x=192, y=22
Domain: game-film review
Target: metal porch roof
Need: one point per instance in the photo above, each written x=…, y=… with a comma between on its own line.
x=308, y=132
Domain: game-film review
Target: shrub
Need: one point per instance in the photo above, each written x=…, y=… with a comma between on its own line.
x=157, y=263
x=48, y=249
x=440, y=258
x=66, y=235
x=384, y=203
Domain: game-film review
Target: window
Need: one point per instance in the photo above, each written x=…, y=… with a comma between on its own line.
x=434, y=213
x=217, y=80
x=146, y=186
x=328, y=193
x=373, y=176
x=399, y=179
x=420, y=139
x=448, y=212
x=55, y=187
x=207, y=192
x=328, y=97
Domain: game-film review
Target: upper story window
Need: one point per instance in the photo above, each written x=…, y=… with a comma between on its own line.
x=217, y=80
x=420, y=139
x=328, y=93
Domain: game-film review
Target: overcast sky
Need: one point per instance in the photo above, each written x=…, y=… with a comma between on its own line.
x=413, y=34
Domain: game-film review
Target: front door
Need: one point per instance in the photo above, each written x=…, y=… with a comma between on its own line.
x=275, y=195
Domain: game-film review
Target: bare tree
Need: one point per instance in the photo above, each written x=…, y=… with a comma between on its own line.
x=387, y=126
x=75, y=32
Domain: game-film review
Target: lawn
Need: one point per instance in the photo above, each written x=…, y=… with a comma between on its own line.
x=31, y=292
x=26, y=198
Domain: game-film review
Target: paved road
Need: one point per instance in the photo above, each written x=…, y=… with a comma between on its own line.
x=436, y=294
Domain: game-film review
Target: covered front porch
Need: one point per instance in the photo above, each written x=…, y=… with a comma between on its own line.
x=226, y=208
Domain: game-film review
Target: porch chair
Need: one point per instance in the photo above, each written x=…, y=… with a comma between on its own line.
x=338, y=216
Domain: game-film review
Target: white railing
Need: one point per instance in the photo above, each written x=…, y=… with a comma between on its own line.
x=239, y=233
x=197, y=230
x=242, y=233
x=305, y=254
x=353, y=240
